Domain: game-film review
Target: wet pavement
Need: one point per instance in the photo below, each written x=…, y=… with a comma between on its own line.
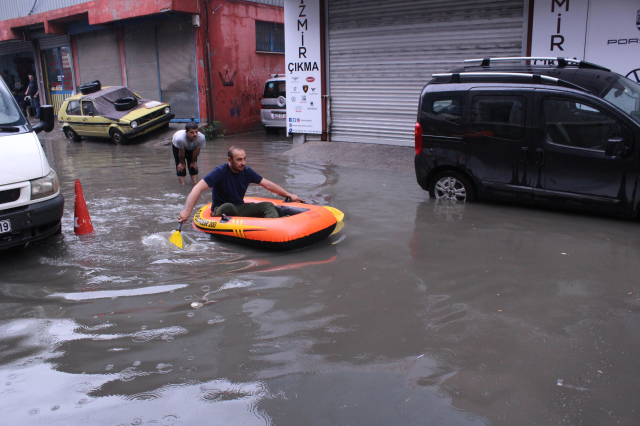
x=416, y=313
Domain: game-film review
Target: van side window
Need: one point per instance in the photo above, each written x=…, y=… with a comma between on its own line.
x=73, y=108
x=574, y=124
x=499, y=116
x=442, y=115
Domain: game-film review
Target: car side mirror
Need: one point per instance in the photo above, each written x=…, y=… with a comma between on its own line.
x=46, y=119
x=614, y=147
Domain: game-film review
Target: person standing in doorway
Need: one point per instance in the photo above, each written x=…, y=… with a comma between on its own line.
x=186, y=147
x=34, y=94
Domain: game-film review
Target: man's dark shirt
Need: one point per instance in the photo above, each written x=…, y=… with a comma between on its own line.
x=33, y=88
x=229, y=187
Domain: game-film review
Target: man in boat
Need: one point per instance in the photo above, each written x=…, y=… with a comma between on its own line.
x=186, y=145
x=229, y=183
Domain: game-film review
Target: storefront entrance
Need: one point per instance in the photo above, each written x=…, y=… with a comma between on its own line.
x=58, y=75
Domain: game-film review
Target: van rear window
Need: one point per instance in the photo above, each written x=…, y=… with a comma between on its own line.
x=275, y=89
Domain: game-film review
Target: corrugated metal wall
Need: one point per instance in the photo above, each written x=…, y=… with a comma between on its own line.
x=381, y=54
x=10, y=9
x=99, y=57
x=177, y=66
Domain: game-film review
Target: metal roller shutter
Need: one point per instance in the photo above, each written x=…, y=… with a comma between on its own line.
x=142, y=59
x=15, y=46
x=381, y=54
x=99, y=57
x=177, y=64
x=47, y=41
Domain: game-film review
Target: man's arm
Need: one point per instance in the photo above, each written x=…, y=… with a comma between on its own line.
x=194, y=157
x=182, y=164
x=277, y=189
x=191, y=200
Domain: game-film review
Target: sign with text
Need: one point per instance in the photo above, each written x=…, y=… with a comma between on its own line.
x=303, y=63
x=559, y=28
x=604, y=32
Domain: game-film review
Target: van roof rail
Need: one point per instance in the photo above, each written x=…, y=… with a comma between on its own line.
x=277, y=75
x=536, y=78
x=550, y=60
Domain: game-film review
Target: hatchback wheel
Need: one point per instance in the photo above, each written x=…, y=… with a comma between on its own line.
x=452, y=186
x=72, y=136
x=117, y=136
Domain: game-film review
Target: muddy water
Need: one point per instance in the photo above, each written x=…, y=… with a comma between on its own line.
x=415, y=313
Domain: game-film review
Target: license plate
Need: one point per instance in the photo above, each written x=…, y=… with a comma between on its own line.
x=5, y=226
x=277, y=115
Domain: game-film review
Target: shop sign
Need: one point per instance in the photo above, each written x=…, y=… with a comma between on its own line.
x=606, y=33
x=303, y=63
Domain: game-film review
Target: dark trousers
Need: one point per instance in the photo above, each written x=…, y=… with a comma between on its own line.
x=35, y=104
x=264, y=209
x=188, y=156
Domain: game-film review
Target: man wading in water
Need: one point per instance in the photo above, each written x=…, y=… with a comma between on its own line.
x=186, y=145
x=229, y=183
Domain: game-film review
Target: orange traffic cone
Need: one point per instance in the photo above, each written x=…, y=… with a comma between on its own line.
x=81, y=220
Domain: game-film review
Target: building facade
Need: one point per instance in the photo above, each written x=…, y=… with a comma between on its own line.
x=204, y=62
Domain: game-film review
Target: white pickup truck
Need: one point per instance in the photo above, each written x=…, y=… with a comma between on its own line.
x=31, y=204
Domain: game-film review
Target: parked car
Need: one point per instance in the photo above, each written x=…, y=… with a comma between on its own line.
x=111, y=112
x=274, y=103
x=563, y=132
x=31, y=204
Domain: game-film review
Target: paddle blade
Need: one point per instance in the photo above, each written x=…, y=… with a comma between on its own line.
x=338, y=228
x=337, y=213
x=176, y=239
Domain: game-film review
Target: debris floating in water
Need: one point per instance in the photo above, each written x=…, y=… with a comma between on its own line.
x=196, y=305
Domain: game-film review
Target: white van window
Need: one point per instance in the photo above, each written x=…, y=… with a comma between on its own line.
x=275, y=89
x=9, y=112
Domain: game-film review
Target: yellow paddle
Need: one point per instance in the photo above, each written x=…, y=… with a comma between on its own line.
x=176, y=238
x=337, y=213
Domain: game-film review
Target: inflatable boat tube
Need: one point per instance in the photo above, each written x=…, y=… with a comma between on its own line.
x=302, y=224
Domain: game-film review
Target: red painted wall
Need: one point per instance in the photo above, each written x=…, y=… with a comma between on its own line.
x=233, y=58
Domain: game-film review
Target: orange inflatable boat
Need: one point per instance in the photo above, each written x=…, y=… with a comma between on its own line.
x=299, y=225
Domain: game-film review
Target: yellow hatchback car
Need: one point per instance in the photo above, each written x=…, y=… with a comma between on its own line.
x=112, y=112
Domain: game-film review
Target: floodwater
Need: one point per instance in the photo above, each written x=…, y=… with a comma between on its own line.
x=415, y=313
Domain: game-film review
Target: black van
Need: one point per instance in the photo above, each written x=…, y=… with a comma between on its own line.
x=552, y=130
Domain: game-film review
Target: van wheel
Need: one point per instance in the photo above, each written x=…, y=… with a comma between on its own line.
x=72, y=136
x=450, y=185
x=117, y=137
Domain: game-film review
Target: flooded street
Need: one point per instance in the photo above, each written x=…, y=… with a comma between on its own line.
x=415, y=313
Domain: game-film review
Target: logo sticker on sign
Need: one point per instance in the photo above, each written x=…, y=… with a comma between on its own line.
x=311, y=79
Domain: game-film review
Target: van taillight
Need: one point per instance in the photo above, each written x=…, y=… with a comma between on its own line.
x=418, y=139
x=261, y=103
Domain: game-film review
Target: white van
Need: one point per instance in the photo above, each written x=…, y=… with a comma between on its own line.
x=274, y=104
x=31, y=204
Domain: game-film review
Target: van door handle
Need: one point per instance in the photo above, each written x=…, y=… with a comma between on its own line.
x=539, y=157
x=524, y=153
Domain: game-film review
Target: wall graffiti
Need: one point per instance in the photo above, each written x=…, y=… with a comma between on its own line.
x=226, y=80
x=243, y=101
x=256, y=72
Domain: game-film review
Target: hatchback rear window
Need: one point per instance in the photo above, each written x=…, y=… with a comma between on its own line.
x=275, y=89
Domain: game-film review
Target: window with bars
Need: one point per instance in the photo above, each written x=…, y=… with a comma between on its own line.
x=269, y=37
